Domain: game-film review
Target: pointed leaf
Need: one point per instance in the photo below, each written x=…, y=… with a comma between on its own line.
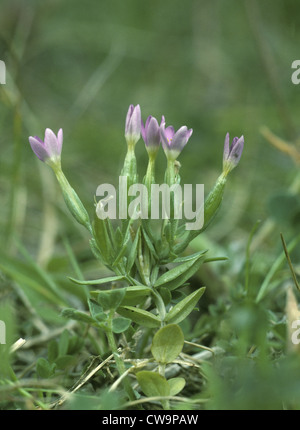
x=182, y=309
x=140, y=316
x=177, y=276
x=74, y=314
x=133, y=252
x=97, y=281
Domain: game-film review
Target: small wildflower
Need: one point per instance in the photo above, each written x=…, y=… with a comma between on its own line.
x=133, y=124
x=173, y=143
x=232, y=153
x=49, y=150
x=151, y=135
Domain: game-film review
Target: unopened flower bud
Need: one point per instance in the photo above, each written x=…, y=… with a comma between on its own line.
x=133, y=125
x=232, y=153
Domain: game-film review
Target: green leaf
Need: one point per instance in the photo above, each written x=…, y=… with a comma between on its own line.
x=96, y=310
x=44, y=369
x=135, y=295
x=165, y=295
x=153, y=384
x=177, y=276
x=94, y=307
x=111, y=299
x=52, y=350
x=74, y=314
x=176, y=385
x=120, y=324
x=97, y=281
x=150, y=245
x=95, y=250
x=63, y=343
x=65, y=361
x=126, y=242
x=103, y=240
x=182, y=309
x=133, y=252
x=167, y=343
x=140, y=316
x=190, y=257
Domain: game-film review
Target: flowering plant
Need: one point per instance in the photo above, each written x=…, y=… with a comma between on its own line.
x=145, y=255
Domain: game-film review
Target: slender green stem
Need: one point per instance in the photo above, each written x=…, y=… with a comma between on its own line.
x=119, y=362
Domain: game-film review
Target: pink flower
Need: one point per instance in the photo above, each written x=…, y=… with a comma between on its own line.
x=50, y=148
x=173, y=143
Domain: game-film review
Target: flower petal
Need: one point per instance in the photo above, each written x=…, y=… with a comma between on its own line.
x=236, y=151
x=60, y=137
x=38, y=148
x=152, y=133
x=51, y=143
x=180, y=138
x=226, y=147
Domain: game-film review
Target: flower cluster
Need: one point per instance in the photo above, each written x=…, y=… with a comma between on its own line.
x=153, y=134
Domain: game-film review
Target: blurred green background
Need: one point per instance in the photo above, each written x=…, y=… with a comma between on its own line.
x=214, y=66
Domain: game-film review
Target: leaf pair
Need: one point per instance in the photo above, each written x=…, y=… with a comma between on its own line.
x=178, y=275
x=167, y=344
x=155, y=385
x=177, y=314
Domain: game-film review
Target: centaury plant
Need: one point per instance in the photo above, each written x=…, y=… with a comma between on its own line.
x=143, y=251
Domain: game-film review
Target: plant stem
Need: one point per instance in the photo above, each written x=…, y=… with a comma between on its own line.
x=119, y=362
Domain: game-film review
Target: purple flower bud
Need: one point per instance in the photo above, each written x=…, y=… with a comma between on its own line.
x=50, y=149
x=173, y=143
x=133, y=124
x=151, y=134
x=232, y=153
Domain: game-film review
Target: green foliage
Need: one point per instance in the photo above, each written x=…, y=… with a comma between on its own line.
x=79, y=68
x=153, y=384
x=182, y=309
x=167, y=343
x=177, y=276
x=140, y=316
